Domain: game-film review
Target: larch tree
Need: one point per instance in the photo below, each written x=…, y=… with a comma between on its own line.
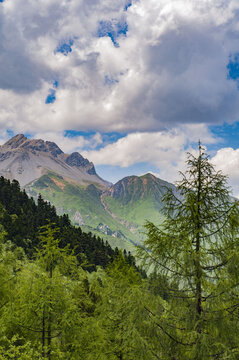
x=43, y=294
x=122, y=315
x=196, y=250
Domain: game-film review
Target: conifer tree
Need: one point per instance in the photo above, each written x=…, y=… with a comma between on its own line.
x=197, y=251
x=121, y=313
x=42, y=291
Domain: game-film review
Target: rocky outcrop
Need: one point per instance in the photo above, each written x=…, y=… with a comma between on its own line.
x=76, y=159
x=15, y=142
x=34, y=145
x=78, y=219
x=105, y=229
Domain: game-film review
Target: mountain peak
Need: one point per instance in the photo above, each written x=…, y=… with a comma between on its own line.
x=26, y=160
x=15, y=141
x=132, y=188
x=149, y=175
x=76, y=159
x=22, y=142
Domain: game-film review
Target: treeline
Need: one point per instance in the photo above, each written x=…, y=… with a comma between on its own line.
x=22, y=218
x=64, y=294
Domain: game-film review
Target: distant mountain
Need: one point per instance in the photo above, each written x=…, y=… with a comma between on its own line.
x=22, y=219
x=134, y=188
x=136, y=199
x=26, y=160
x=116, y=212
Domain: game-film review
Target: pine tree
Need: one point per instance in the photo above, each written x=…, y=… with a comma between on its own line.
x=197, y=251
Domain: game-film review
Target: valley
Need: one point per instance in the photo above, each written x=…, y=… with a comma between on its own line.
x=116, y=212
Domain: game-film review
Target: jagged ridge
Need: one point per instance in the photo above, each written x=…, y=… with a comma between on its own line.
x=28, y=159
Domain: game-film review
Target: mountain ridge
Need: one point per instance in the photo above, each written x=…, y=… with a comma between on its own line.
x=26, y=160
x=70, y=183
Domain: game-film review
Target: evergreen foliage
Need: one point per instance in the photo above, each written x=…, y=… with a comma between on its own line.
x=56, y=303
x=22, y=220
x=197, y=251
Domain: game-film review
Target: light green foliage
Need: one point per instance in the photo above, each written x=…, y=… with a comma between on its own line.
x=122, y=314
x=56, y=310
x=54, y=305
x=10, y=266
x=14, y=350
x=50, y=255
x=196, y=250
x=50, y=308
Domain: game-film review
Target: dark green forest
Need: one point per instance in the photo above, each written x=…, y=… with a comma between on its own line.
x=66, y=294
x=22, y=218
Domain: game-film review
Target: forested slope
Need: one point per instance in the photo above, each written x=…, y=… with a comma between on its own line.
x=52, y=307
x=22, y=218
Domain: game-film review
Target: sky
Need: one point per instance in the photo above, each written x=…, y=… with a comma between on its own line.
x=130, y=84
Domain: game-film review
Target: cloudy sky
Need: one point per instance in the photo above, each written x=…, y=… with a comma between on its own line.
x=131, y=84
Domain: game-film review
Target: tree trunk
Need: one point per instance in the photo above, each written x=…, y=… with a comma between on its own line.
x=198, y=270
x=49, y=336
x=43, y=333
x=198, y=228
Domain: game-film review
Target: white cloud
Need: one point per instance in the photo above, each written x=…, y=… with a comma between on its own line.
x=69, y=144
x=171, y=67
x=165, y=150
x=4, y=136
x=227, y=160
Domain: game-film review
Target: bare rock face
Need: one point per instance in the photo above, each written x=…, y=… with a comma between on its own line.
x=21, y=142
x=27, y=160
x=76, y=159
x=15, y=142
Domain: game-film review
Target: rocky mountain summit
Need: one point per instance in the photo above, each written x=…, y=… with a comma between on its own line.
x=27, y=160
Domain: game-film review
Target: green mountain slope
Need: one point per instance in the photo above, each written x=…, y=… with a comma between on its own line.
x=117, y=213
x=137, y=199
x=84, y=207
x=22, y=218
x=70, y=183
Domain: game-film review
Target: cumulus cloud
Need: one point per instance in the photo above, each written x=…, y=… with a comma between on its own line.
x=166, y=150
x=4, y=136
x=170, y=66
x=227, y=160
x=69, y=144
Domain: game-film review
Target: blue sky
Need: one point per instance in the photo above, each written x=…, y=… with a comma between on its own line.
x=131, y=84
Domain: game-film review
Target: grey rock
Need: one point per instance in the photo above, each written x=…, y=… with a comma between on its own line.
x=105, y=229
x=78, y=219
x=27, y=160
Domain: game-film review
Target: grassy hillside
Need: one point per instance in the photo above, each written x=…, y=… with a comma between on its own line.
x=117, y=214
x=136, y=213
x=84, y=207
x=138, y=199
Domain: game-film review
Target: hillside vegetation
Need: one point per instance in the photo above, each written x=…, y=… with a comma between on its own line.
x=66, y=295
x=117, y=213
x=22, y=218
